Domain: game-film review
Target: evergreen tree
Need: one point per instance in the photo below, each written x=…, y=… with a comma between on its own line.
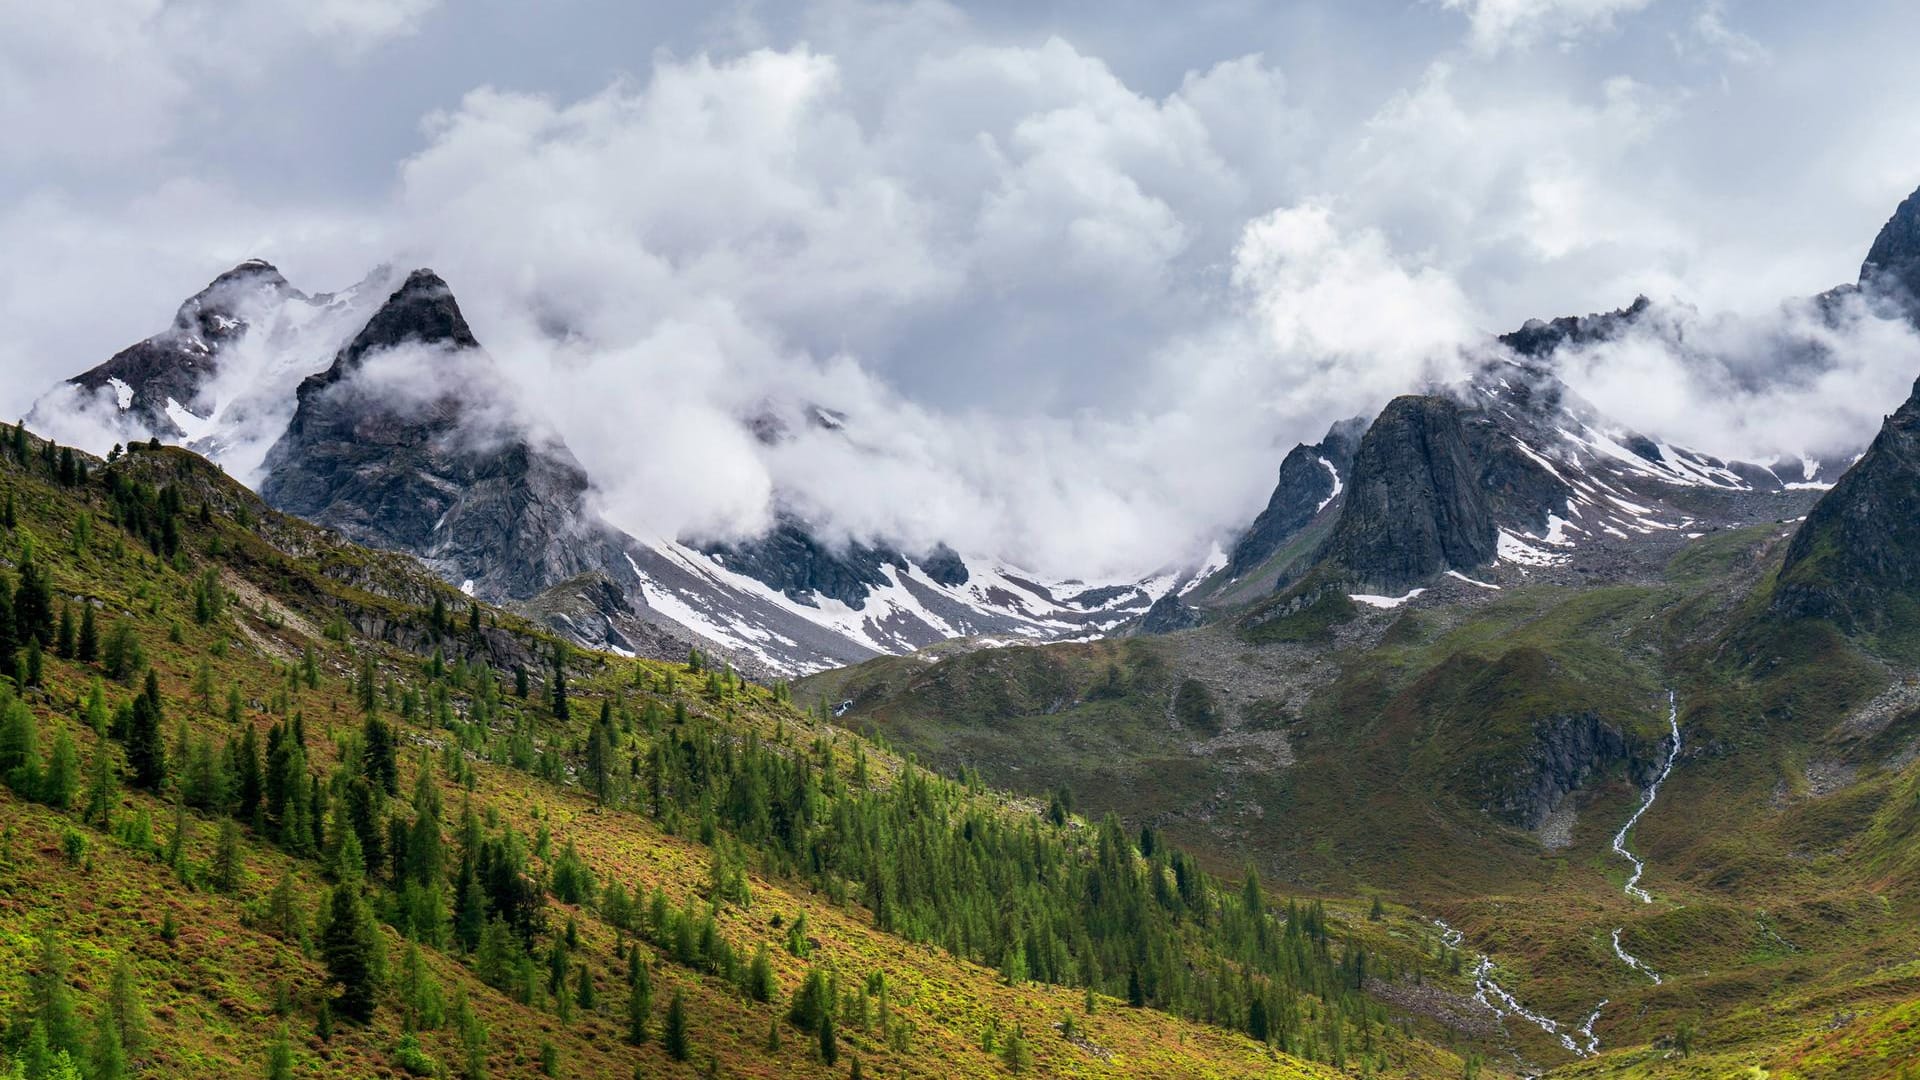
x=586, y=995
x=675, y=1033
x=558, y=686
x=146, y=753
x=379, y=755
x=103, y=789
x=227, y=859
x=124, y=1005
x=107, y=1059
x=280, y=1055
x=349, y=943
x=50, y=1000
x=829, y=1043
x=122, y=656
x=1015, y=1052
x=63, y=772
x=9, y=640
x=87, y=648
x=63, y=638
x=639, y=999
x=760, y=985
x=19, y=746
x=248, y=783
x=473, y=1039
x=33, y=603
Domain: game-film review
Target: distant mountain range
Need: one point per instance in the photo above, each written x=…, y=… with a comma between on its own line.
x=371, y=412
x=1510, y=474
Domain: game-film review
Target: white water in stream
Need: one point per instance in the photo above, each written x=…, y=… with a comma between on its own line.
x=1620, y=838
x=1502, y=1003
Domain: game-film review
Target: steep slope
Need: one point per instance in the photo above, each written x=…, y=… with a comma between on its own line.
x=392, y=446
x=1311, y=479
x=1893, y=262
x=1416, y=506
x=756, y=895
x=221, y=377
x=1856, y=559
x=376, y=412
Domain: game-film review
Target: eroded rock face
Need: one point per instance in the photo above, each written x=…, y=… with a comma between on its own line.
x=1567, y=752
x=1416, y=506
x=1856, y=559
x=1169, y=613
x=789, y=558
x=1893, y=262
x=1310, y=476
x=407, y=461
x=175, y=364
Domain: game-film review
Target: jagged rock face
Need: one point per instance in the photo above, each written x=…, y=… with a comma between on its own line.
x=944, y=565
x=791, y=560
x=1856, y=559
x=1567, y=751
x=407, y=471
x=1893, y=262
x=1538, y=339
x=1415, y=506
x=1310, y=477
x=176, y=363
x=1169, y=613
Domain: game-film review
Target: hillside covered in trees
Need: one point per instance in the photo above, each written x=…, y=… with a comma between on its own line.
x=280, y=806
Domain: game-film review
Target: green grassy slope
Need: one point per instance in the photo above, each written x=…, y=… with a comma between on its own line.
x=1781, y=855
x=733, y=824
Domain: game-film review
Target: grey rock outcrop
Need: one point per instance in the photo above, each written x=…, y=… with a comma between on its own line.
x=1415, y=506
x=1893, y=262
x=1169, y=613
x=1538, y=338
x=410, y=463
x=1856, y=559
x=1305, y=487
x=1566, y=753
x=176, y=363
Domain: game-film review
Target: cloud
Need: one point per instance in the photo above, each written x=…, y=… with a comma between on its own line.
x=1075, y=285
x=117, y=80
x=1711, y=31
x=1798, y=380
x=1496, y=25
x=647, y=326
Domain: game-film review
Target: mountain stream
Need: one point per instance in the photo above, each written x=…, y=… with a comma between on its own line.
x=1580, y=1041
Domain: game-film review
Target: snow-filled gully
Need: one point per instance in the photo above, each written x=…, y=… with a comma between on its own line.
x=1580, y=1041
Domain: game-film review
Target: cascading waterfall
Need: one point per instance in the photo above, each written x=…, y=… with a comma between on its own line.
x=1502, y=1003
x=1633, y=888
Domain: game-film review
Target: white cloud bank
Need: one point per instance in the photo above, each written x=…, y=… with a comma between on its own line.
x=1073, y=322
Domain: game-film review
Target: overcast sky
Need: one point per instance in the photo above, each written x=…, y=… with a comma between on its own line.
x=1076, y=268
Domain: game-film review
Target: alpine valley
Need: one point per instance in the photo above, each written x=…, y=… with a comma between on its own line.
x=344, y=735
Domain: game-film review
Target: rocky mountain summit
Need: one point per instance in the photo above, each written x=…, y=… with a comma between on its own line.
x=1417, y=506
x=1893, y=262
x=1856, y=559
x=158, y=381
x=1311, y=477
x=405, y=460
x=1510, y=471
x=376, y=411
